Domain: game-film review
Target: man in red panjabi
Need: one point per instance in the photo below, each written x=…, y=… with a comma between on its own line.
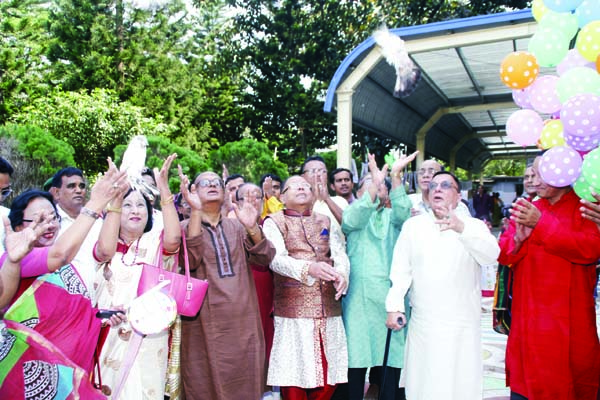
x=553, y=350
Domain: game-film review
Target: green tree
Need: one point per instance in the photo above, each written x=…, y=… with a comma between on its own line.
x=34, y=153
x=92, y=123
x=289, y=50
x=22, y=43
x=159, y=149
x=248, y=157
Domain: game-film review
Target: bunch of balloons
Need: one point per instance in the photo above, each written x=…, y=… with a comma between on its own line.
x=570, y=97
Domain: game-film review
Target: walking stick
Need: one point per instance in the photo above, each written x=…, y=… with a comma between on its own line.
x=386, y=352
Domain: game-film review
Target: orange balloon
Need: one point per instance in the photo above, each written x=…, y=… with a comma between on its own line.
x=598, y=63
x=519, y=69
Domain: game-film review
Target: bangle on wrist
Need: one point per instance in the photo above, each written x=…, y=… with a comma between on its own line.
x=110, y=208
x=167, y=201
x=254, y=231
x=396, y=174
x=90, y=213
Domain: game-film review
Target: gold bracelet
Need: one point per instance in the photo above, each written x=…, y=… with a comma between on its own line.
x=167, y=201
x=90, y=213
x=110, y=208
x=396, y=175
x=254, y=231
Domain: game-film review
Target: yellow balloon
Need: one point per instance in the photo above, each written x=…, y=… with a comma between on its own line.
x=552, y=134
x=539, y=9
x=588, y=41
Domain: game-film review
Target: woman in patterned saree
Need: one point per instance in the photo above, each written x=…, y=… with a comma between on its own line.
x=134, y=366
x=51, y=331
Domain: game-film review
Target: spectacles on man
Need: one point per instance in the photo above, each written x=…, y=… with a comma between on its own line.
x=296, y=186
x=54, y=218
x=428, y=171
x=209, y=182
x=445, y=185
x=73, y=185
x=5, y=192
x=315, y=171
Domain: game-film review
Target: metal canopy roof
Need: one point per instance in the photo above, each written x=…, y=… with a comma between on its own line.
x=460, y=104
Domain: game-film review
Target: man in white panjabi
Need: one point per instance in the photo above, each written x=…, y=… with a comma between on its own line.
x=437, y=262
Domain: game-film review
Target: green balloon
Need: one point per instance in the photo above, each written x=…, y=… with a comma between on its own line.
x=549, y=46
x=578, y=80
x=564, y=22
x=584, y=190
x=590, y=170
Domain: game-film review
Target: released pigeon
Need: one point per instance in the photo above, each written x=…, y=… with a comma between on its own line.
x=394, y=52
x=134, y=162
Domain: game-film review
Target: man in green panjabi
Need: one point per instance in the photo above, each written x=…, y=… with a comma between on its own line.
x=372, y=224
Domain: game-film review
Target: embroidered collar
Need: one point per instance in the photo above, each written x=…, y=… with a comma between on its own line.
x=294, y=213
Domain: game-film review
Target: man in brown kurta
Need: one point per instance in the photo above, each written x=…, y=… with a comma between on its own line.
x=222, y=348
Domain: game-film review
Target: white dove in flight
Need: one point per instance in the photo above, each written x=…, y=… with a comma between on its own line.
x=134, y=162
x=394, y=52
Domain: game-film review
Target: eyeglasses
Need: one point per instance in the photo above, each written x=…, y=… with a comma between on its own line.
x=445, y=185
x=73, y=185
x=5, y=192
x=209, y=182
x=55, y=218
x=429, y=171
x=315, y=171
x=296, y=186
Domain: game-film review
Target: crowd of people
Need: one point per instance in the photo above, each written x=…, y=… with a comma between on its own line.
x=308, y=291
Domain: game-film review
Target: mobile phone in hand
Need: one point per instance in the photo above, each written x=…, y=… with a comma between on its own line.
x=106, y=314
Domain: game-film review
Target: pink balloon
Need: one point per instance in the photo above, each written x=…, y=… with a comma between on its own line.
x=521, y=97
x=560, y=166
x=543, y=95
x=580, y=115
x=573, y=59
x=582, y=143
x=524, y=127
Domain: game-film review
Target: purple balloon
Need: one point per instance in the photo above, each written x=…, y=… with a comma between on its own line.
x=573, y=59
x=524, y=127
x=560, y=166
x=543, y=95
x=580, y=115
x=521, y=97
x=582, y=143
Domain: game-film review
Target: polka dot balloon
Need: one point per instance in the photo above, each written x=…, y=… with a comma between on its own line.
x=580, y=115
x=543, y=95
x=562, y=5
x=560, y=166
x=521, y=97
x=519, y=69
x=584, y=190
x=591, y=168
x=549, y=45
x=524, y=127
x=582, y=143
x=588, y=41
x=552, y=134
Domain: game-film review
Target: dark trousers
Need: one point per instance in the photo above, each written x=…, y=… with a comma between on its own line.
x=517, y=396
x=355, y=388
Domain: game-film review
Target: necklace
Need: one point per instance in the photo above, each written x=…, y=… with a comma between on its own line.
x=135, y=254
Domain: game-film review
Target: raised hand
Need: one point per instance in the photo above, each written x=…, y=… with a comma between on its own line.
x=448, y=220
x=267, y=187
x=378, y=175
x=525, y=213
x=162, y=176
x=112, y=185
x=190, y=195
x=19, y=244
x=402, y=162
x=246, y=213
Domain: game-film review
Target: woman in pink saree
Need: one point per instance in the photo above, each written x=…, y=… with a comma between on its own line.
x=51, y=331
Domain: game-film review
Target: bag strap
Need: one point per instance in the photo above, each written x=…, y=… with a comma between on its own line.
x=186, y=259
